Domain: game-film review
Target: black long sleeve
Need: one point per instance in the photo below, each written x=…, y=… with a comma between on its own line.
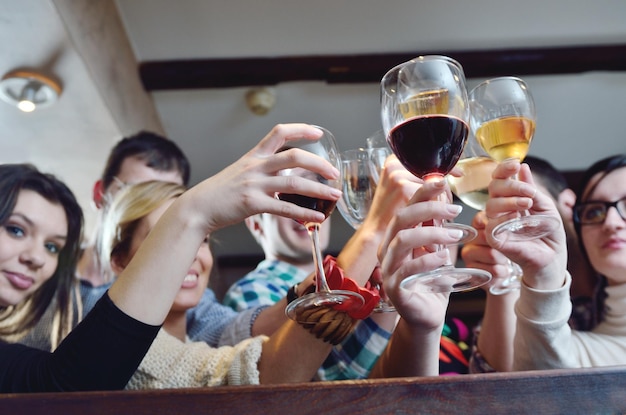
x=101, y=353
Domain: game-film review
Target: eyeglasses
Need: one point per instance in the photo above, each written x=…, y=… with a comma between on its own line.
x=594, y=213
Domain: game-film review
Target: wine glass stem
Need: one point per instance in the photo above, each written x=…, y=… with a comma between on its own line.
x=320, y=278
x=524, y=212
x=442, y=197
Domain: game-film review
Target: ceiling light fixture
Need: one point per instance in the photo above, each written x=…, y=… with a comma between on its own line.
x=28, y=90
x=261, y=100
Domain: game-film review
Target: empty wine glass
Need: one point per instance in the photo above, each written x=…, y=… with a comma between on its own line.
x=323, y=296
x=360, y=178
x=471, y=188
x=379, y=150
x=425, y=116
x=503, y=120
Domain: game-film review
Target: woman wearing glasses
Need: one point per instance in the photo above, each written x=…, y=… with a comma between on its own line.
x=543, y=338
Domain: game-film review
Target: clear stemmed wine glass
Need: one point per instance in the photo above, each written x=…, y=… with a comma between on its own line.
x=323, y=296
x=425, y=116
x=503, y=120
x=393, y=113
x=379, y=150
x=477, y=166
x=360, y=177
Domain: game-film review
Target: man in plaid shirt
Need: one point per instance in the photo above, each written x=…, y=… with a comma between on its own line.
x=287, y=248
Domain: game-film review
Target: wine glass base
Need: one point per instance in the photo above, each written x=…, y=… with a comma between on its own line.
x=343, y=300
x=447, y=279
x=525, y=228
x=509, y=284
x=469, y=232
x=384, y=307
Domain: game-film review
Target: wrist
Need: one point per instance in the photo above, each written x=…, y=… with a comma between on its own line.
x=292, y=294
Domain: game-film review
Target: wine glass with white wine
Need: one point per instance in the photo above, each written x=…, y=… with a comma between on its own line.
x=503, y=120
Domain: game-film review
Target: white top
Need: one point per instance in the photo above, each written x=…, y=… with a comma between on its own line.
x=544, y=340
x=171, y=363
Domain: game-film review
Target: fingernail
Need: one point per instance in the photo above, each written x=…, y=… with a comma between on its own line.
x=335, y=193
x=455, y=233
x=524, y=203
x=455, y=208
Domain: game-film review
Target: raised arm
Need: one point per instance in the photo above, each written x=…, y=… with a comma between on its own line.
x=407, y=249
x=244, y=188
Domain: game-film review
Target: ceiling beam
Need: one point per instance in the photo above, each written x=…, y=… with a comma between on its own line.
x=96, y=31
x=245, y=72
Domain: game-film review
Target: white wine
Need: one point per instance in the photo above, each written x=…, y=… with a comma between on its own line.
x=424, y=103
x=507, y=137
x=471, y=188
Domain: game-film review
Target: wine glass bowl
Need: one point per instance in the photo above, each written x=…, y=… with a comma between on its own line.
x=359, y=184
x=323, y=297
x=425, y=115
x=503, y=119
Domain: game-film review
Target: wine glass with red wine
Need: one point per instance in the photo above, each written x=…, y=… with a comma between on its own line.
x=325, y=147
x=425, y=114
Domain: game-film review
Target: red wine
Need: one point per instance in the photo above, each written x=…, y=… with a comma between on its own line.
x=429, y=144
x=321, y=205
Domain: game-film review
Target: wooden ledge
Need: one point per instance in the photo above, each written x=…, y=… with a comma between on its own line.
x=578, y=391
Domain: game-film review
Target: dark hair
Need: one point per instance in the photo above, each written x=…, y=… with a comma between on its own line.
x=551, y=178
x=13, y=179
x=158, y=152
x=604, y=166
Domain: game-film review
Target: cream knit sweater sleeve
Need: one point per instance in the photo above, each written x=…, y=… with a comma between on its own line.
x=170, y=363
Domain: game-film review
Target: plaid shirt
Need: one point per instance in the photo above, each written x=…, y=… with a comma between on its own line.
x=269, y=283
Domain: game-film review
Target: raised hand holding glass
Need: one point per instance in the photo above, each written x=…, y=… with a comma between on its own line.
x=425, y=116
x=323, y=296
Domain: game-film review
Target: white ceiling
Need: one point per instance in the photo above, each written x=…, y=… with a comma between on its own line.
x=95, y=56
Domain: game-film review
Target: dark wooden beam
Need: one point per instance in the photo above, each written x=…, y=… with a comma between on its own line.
x=245, y=72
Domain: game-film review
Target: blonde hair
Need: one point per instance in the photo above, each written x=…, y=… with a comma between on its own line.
x=122, y=216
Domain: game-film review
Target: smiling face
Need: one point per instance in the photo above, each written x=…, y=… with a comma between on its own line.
x=606, y=243
x=30, y=243
x=197, y=277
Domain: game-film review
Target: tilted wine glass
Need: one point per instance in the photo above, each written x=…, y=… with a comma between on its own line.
x=425, y=116
x=360, y=177
x=503, y=120
x=477, y=167
x=325, y=147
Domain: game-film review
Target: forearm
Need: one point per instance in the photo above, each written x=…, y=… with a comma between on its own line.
x=358, y=258
x=270, y=319
x=151, y=275
x=292, y=354
x=543, y=339
x=495, y=341
x=410, y=352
